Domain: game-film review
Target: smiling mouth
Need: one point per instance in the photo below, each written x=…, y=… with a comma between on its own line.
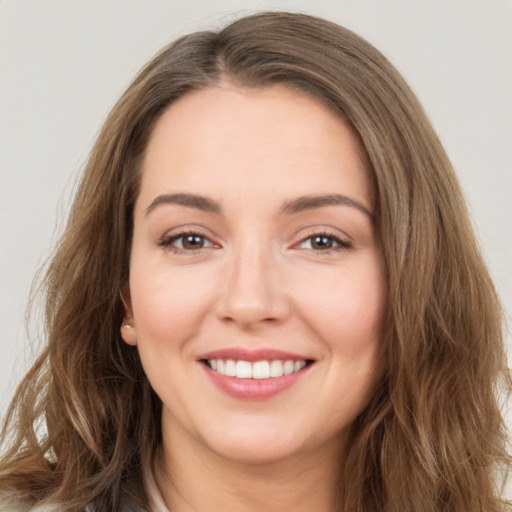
x=255, y=370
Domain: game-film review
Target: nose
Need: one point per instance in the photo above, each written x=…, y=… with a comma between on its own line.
x=253, y=293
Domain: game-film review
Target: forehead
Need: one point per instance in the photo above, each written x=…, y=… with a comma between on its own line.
x=254, y=143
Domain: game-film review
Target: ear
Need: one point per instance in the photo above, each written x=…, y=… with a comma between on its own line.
x=128, y=331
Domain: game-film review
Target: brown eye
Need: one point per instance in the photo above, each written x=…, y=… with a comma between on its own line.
x=324, y=242
x=192, y=242
x=186, y=242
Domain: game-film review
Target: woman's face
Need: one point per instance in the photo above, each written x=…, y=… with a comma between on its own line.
x=257, y=291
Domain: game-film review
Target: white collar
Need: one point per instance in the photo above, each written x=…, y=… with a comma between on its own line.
x=155, y=497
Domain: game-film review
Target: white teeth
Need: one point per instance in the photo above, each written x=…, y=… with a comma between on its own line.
x=230, y=368
x=288, y=367
x=261, y=370
x=276, y=369
x=243, y=369
x=299, y=365
x=256, y=370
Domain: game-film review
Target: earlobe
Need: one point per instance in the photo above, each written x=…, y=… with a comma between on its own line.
x=128, y=331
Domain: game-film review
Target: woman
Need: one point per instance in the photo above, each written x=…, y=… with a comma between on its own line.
x=268, y=296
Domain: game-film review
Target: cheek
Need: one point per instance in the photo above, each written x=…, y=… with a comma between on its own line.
x=169, y=303
x=346, y=313
x=347, y=310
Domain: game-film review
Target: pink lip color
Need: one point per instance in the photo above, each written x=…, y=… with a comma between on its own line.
x=253, y=389
x=261, y=354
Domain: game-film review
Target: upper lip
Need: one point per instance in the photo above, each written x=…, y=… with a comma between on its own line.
x=253, y=355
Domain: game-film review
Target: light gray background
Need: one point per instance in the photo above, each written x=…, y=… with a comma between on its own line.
x=64, y=63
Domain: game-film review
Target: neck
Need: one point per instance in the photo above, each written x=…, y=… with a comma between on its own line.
x=192, y=478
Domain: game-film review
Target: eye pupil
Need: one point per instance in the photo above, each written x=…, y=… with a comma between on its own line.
x=321, y=242
x=193, y=242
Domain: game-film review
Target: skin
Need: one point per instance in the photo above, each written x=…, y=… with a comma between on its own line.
x=258, y=278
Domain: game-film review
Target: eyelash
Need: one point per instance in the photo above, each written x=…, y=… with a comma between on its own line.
x=341, y=245
x=168, y=242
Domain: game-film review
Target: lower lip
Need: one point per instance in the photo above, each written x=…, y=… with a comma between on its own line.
x=254, y=389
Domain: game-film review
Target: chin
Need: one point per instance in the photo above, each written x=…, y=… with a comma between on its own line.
x=252, y=453
x=261, y=445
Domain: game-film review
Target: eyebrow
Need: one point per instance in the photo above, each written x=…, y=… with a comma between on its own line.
x=297, y=205
x=304, y=203
x=191, y=200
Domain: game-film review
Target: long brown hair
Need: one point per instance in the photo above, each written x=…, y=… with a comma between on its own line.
x=85, y=422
